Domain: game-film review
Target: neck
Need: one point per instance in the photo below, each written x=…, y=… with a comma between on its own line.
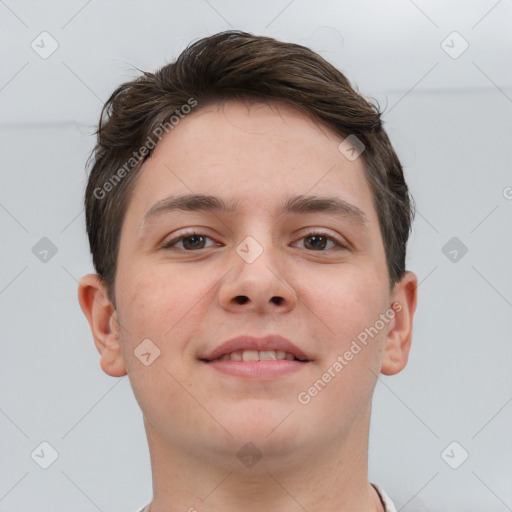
x=323, y=477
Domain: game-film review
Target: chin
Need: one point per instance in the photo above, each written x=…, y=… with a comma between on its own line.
x=268, y=429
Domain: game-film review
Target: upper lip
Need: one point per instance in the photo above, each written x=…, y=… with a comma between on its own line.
x=270, y=342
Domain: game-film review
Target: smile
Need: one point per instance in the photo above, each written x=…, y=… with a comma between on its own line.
x=263, y=358
x=257, y=355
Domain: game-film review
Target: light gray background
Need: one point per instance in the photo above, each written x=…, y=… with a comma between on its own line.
x=451, y=122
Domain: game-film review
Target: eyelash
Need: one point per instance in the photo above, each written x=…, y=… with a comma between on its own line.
x=170, y=243
x=338, y=244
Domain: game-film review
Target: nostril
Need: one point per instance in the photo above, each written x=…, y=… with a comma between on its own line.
x=243, y=299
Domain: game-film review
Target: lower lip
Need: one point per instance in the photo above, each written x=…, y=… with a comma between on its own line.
x=257, y=369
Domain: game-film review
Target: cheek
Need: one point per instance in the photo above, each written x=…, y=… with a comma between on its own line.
x=346, y=309
x=352, y=347
x=148, y=306
x=164, y=305
x=347, y=299
x=156, y=305
x=144, y=299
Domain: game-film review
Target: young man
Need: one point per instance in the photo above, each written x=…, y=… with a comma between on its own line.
x=248, y=221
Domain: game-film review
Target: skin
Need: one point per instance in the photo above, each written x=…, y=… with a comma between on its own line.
x=196, y=418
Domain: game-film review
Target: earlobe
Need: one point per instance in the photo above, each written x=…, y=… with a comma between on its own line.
x=398, y=341
x=102, y=318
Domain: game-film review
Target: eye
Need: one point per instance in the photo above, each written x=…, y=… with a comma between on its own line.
x=320, y=242
x=190, y=242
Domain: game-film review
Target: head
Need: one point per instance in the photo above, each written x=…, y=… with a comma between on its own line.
x=235, y=65
x=249, y=145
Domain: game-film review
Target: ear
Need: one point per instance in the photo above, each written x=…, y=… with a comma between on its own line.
x=398, y=341
x=102, y=318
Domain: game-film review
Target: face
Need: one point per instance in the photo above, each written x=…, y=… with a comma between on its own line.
x=284, y=256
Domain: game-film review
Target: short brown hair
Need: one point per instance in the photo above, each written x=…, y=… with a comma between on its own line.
x=235, y=65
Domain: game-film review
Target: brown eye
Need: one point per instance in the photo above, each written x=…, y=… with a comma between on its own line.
x=315, y=242
x=320, y=242
x=192, y=242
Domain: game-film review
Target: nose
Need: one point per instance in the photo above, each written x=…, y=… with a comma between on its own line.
x=258, y=286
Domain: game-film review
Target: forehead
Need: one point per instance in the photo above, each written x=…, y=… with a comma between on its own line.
x=256, y=152
x=242, y=128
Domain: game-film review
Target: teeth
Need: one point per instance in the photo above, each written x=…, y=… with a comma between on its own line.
x=267, y=355
x=250, y=355
x=257, y=355
x=235, y=356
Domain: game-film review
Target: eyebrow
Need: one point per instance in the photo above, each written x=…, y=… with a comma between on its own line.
x=312, y=204
x=300, y=204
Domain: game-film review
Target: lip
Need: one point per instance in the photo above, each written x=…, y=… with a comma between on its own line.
x=270, y=342
x=257, y=369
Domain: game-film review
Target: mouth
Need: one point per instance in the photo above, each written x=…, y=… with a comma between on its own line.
x=262, y=358
x=258, y=355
